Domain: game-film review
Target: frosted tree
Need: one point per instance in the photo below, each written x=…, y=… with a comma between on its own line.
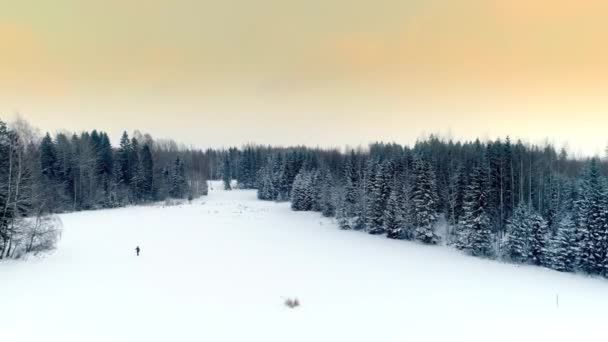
x=266, y=185
x=315, y=189
x=394, y=215
x=593, y=225
x=123, y=157
x=147, y=167
x=327, y=196
x=301, y=193
x=564, y=248
x=380, y=192
x=226, y=174
x=179, y=185
x=350, y=209
x=539, y=240
x=423, y=202
x=517, y=240
x=475, y=231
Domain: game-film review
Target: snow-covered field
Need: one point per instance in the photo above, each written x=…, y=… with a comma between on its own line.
x=220, y=268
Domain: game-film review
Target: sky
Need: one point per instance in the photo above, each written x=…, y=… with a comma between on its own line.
x=314, y=72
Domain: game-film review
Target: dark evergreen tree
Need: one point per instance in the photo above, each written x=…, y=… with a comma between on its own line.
x=517, y=247
x=266, y=184
x=123, y=156
x=302, y=192
x=423, y=202
x=475, y=231
x=377, y=200
x=539, y=240
x=179, y=185
x=227, y=175
x=349, y=211
x=147, y=169
x=48, y=158
x=394, y=215
x=594, y=221
x=564, y=247
x=326, y=192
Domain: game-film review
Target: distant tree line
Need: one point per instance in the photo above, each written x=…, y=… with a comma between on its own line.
x=516, y=202
x=44, y=175
x=511, y=201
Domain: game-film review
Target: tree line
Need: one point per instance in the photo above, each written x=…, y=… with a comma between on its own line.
x=515, y=202
x=41, y=175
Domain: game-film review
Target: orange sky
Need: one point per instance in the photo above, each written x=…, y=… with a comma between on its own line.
x=270, y=71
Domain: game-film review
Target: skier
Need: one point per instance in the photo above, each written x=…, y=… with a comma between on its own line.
x=137, y=249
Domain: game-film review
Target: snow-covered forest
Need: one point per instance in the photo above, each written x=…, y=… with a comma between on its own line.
x=42, y=175
x=495, y=199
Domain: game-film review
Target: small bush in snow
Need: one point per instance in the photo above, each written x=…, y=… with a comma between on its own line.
x=172, y=202
x=292, y=303
x=34, y=235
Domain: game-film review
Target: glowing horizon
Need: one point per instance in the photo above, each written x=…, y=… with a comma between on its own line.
x=329, y=73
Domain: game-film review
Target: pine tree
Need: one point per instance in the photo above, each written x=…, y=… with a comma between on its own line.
x=315, y=190
x=380, y=191
x=301, y=193
x=226, y=174
x=539, y=240
x=105, y=166
x=178, y=180
x=137, y=171
x=123, y=157
x=350, y=209
x=147, y=166
x=266, y=187
x=475, y=231
x=564, y=248
x=593, y=227
x=52, y=185
x=327, y=199
x=394, y=220
x=423, y=202
x=517, y=246
x=48, y=158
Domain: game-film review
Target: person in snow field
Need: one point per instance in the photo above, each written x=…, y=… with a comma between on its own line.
x=137, y=249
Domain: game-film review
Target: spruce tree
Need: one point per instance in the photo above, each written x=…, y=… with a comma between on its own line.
x=327, y=194
x=178, y=180
x=227, y=174
x=423, y=202
x=475, y=226
x=147, y=166
x=380, y=192
x=48, y=158
x=539, y=240
x=350, y=210
x=517, y=247
x=301, y=193
x=393, y=219
x=564, y=248
x=266, y=187
x=105, y=166
x=594, y=221
x=123, y=157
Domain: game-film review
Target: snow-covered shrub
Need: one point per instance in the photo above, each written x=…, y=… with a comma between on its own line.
x=172, y=202
x=292, y=303
x=34, y=235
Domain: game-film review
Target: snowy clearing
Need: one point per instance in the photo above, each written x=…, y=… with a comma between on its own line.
x=221, y=268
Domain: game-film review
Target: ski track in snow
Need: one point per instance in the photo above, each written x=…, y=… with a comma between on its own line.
x=219, y=269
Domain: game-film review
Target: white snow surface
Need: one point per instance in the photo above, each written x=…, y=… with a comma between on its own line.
x=220, y=269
